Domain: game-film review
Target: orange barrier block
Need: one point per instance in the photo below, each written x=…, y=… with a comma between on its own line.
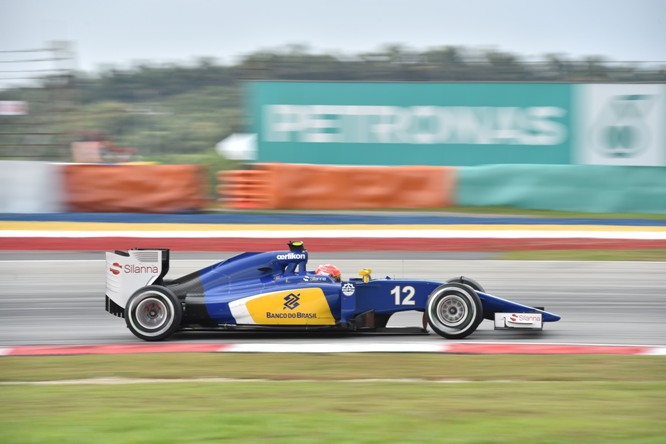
x=292, y=186
x=135, y=188
x=244, y=189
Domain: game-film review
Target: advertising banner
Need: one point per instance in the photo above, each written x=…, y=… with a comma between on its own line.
x=620, y=124
x=458, y=124
x=411, y=123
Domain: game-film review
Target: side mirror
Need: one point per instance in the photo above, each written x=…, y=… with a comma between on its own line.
x=365, y=274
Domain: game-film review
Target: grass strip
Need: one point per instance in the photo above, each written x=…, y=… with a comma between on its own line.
x=586, y=255
x=510, y=211
x=326, y=367
x=481, y=211
x=545, y=399
x=326, y=411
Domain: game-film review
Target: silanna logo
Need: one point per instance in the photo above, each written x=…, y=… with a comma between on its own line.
x=116, y=268
x=525, y=318
x=291, y=301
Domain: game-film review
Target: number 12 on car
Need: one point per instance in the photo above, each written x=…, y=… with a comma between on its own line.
x=403, y=295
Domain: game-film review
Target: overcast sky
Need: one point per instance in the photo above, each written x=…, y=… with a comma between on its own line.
x=121, y=32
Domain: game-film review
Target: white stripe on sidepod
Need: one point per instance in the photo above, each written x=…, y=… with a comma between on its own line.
x=239, y=310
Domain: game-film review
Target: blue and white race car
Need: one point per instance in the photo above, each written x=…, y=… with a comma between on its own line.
x=275, y=290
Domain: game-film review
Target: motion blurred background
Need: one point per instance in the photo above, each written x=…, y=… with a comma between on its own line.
x=550, y=105
x=450, y=106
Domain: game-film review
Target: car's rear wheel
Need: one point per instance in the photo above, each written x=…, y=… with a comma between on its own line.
x=454, y=310
x=153, y=313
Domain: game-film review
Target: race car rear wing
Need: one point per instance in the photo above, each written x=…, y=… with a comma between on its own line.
x=127, y=271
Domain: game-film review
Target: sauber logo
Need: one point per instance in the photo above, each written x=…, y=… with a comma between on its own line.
x=291, y=301
x=116, y=268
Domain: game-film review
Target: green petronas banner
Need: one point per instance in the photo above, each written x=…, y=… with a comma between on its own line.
x=454, y=123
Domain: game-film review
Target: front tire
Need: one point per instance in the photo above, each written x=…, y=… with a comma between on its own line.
x=467, y=281
x=454, y=310
x=153, y=313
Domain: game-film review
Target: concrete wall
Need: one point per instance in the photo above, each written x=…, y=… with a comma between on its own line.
x=31, y=187
x=589, y=188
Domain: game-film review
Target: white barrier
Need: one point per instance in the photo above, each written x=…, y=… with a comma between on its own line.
x=31, y=187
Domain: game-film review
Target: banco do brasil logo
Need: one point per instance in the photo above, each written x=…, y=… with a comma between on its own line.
x=291, y=301
x=621, y=130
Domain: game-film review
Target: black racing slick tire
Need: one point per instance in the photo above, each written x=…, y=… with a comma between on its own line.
x=468, y=281
x=454, y=310
x=153, y=313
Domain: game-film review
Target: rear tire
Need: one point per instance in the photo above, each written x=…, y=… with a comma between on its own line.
x=454, y=310
x=153, y=313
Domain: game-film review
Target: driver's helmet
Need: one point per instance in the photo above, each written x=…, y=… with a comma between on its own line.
x=329, y=270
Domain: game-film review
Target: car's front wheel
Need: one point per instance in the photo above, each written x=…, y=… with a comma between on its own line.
x=153, y=313
x=467, y=281
x=454, y=310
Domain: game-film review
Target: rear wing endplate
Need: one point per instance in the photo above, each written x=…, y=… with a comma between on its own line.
x=127, y=271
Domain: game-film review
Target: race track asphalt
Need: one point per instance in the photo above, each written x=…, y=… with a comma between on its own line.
x=58, y=298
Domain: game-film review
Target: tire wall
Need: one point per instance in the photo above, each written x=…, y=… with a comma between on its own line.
x=134, y=188
x=587, y=188
x=297, y=186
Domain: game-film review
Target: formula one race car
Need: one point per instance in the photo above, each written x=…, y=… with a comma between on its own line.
x=274, y=290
